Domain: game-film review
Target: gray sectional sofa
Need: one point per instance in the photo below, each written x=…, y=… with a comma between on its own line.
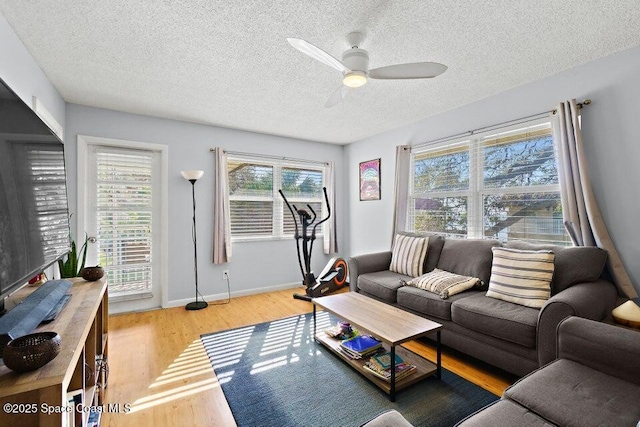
x=595, y=381
x=515, y=338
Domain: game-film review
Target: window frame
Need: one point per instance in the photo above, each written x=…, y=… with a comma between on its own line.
x=476, y=191
x=279, y=208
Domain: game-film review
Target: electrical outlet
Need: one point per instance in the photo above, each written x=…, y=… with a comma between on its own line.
x=225, y=275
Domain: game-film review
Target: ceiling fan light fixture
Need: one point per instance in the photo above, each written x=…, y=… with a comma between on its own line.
x=354, y=79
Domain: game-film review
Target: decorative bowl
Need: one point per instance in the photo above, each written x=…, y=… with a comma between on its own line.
x=92, y=274
x=31, y=351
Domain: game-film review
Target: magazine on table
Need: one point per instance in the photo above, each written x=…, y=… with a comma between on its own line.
x=402, y=370
x=360, y=346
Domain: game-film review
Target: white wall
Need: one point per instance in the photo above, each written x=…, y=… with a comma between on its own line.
x=255, y=266
x=610, y=130
x=24, y=76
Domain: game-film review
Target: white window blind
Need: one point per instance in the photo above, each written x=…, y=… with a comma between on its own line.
x=257, y=210
x=50, y=194
x=124, y=218
x=501, y=184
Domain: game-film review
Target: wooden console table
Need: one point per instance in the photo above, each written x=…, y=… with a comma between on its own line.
x=83, y=326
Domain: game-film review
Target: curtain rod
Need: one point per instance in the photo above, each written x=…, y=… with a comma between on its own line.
x=496, y=126
x=267, y=156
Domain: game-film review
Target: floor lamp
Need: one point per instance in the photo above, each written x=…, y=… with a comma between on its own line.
x=192, y=177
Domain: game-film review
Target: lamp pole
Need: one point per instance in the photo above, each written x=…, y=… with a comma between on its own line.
x=192, y=177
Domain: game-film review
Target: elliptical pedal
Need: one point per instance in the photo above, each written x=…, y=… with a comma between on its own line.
x=302, y=297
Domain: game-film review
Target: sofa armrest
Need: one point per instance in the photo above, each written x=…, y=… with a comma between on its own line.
x=614, y=350
x=593, y=300
x=368, y=263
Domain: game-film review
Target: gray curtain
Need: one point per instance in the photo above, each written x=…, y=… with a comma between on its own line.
x=330, y=240
x=580, y=210
x=401, y=189
x=221, y=210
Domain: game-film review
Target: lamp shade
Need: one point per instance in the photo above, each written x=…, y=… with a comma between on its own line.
x=192, y=175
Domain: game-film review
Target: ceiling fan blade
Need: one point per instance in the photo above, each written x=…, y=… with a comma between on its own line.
x=317, y=54
x=337, y=96
x=416, y=70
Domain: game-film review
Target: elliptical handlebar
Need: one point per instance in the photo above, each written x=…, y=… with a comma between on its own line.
x=326, y=200
x=297, y=234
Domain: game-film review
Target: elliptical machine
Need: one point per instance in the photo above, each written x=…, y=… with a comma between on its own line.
x=334, y=275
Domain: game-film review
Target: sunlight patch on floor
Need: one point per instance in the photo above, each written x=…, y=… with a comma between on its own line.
x=281, y=338
x=193, y=362
x=173, y=394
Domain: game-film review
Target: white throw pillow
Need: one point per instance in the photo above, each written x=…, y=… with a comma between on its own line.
x=521, y=277
x=408, y=254
x=444, y=283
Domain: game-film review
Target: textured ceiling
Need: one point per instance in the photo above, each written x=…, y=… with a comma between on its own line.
x=227, y=63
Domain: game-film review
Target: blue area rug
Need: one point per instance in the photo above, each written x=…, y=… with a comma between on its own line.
x=274, y=374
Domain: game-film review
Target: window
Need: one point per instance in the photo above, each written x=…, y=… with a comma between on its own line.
x=50, y=195
x=501, y=184
x=257, y=210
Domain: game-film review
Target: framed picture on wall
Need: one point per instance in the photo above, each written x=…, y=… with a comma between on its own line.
x=370, y=180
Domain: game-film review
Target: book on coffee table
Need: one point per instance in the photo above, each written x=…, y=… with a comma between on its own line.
x=402, y=370
x=360, y=346
x=338, y=333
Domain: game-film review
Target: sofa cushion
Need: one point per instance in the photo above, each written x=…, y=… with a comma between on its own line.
x=469, y=257
x=572, y=264
x=382, y=284
x=443, y=283
x=500, y=319
x=504, y=413
x=570, y=394
x=429, y=303
x=408, y=255
x=521, y=277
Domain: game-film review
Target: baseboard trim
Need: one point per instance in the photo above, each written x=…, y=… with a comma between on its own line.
x=234, y=294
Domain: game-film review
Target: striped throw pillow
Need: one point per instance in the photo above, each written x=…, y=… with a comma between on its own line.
x=521, y=277
x=444, y=283
x=408, y=254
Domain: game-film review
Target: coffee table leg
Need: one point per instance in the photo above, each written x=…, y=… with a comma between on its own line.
x=392, y=391
x=314, y=322
x=439, y=364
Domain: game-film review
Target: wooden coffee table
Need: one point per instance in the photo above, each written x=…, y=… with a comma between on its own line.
x=388, y=324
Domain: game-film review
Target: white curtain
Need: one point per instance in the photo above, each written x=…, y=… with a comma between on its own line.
x=580, y=210
x=401, y=189
x=330, y=240
x=221, y=210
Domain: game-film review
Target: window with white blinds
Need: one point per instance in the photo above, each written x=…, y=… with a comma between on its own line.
x=50, y=195
x=124, y=211
x=257, y=210
x=495, y=185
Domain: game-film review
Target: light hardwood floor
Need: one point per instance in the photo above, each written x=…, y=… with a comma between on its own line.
x=158, y=364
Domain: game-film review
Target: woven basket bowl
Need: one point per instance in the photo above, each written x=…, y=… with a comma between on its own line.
x=92, y=274
x=32, y=351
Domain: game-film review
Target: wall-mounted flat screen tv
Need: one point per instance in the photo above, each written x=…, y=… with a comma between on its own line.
x=34, y=213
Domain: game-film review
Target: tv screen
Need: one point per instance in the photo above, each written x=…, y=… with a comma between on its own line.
x=34, y=214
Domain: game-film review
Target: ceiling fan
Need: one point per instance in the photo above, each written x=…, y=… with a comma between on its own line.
x=355, y=66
